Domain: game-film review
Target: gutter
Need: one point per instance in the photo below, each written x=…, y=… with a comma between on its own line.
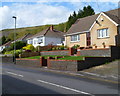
x=77, y=33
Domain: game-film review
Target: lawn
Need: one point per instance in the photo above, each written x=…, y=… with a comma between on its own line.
x=65, y=57
x=38, y=57
x=72, y=58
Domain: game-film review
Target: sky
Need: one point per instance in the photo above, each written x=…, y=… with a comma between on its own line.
x=41, y=12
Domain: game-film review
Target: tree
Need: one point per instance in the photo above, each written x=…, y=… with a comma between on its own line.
x=18, y=45
x=87, y=11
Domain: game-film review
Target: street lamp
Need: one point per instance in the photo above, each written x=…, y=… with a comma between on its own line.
x=14, y=59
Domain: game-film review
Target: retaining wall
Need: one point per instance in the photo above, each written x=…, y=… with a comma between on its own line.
x=29, y=54
x=67, y=65
x=7, y=60
x=57, y=52
x=96, y=52
x=28, y=62
x=77, y=65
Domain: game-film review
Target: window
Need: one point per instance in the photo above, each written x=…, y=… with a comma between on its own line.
x=40, y=39
x=30, y=41
x=103, y=33
x=75, y=37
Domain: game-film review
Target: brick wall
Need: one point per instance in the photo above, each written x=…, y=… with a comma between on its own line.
x=96, y=52
x=60, y=52
x=28, y=62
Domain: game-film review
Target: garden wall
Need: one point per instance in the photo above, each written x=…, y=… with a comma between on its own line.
x=67, y=65
x=56, y=52
x=92, y=61
x=77, y=65
x=7, y=60
x=28, y=62
x=29, y=54
x=96, y=52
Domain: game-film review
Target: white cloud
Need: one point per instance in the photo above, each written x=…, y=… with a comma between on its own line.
x=33, y=14
x=6, y=16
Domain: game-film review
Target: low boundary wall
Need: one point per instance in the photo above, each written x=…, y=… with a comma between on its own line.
x=56, y=52
x=96, y=52
x=28, y=62
x=77, y=65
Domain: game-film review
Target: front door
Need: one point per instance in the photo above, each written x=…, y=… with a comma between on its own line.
x=88, y=38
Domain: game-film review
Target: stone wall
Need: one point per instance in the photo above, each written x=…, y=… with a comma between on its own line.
x=7, y=60
x=67, y=65
x=29, y=54
x=96, y=52
x=60, y=52
x=28, y=62
x=77, y=65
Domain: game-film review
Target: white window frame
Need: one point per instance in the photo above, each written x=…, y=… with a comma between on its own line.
x=30, y=41
x=75, y=38
x=40, y=39
x=103, y=33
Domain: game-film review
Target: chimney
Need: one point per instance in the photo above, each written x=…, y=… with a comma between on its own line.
x=51, y=28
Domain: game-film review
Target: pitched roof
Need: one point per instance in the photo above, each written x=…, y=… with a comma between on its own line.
x=49, y=33
x=24, y=37
x=84, y=24
x=7, y=44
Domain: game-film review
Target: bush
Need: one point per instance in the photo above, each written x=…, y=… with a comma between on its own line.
x=76, y=46
x=29, y=47
x=17, y=52
x=18, y=45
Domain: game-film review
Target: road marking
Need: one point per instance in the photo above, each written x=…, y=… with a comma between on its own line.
x=78, y=91
x=14, y=74
x=91, y=73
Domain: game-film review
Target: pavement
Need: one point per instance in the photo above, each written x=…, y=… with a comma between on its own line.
x=23, y=80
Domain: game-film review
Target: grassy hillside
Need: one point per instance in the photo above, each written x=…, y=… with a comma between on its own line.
x=33, y=30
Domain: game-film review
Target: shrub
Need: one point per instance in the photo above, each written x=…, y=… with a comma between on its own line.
x=29, y=47
x=17, y=52
x=18, y=45
x=76, y=46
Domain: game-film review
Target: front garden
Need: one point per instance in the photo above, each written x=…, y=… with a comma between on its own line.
x=62, y=57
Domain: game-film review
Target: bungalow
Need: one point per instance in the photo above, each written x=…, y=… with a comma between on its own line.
x=6, y=45
x=46, y=37
x=98, y=30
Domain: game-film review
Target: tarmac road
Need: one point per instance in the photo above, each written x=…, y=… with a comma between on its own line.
x=20, y=80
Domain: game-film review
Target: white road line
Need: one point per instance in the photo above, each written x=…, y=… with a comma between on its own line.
x=14, y=74
x=78, y=91
x=91, y=73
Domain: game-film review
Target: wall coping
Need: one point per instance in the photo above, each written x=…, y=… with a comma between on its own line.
x=65, y=60
x=54, y=50
x=97, y=49
x=25, y=59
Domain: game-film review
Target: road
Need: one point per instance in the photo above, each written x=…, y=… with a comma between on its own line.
x=22, y=80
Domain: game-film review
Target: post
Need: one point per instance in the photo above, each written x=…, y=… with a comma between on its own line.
x=14, y=57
